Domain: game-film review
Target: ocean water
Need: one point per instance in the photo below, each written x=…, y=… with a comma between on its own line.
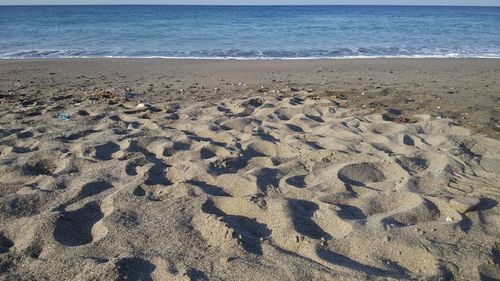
x=249, y=32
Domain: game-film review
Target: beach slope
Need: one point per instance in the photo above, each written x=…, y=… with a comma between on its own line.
x=249, y=170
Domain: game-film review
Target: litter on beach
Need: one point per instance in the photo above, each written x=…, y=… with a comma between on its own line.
x=63, y=117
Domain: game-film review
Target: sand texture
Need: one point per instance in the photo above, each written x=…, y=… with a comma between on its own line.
x=266, y=185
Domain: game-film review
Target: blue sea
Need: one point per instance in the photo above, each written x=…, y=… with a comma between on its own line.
x=249, y=32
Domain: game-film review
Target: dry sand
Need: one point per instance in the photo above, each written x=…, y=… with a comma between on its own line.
x=231, y=170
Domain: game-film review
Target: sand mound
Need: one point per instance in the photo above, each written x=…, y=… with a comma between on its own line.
x=266, y=188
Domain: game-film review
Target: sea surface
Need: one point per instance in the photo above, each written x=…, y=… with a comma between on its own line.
x=249, y=32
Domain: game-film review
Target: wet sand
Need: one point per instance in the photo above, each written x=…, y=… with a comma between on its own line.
x=150, y=169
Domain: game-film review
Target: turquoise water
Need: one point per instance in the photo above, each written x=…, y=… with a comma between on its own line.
x=249, y=32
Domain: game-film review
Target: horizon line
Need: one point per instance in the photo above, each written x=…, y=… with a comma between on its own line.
x=247, y=5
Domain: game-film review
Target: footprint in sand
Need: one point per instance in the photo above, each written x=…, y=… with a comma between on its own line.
x=25, y=135
x=194, y=274
x=5, y=244
x=253, y=102
x=156, y=175
x=395, y=271
x=241, y=124
x=302, y=212
x=249, y=231
x=77, y=228
x=294, y=128
x=268, y=179
x=88, y=190
x=105, y=151
x=398, y=209
x=359, y=174
x=297, y=181
x=408, y=140
x=174, y=147
x=285, y=113
x=296, y=101
x=209, y=189
x=230, y=165
x=412, y=165
x=348, y=212
x=25, y=148
x=94, y=188
x=40, y=167
x=207, y=153
x=7, y=132
x=134, y=268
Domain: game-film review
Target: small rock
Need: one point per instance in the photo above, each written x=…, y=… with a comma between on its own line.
x=464, y=204
x=141, y=105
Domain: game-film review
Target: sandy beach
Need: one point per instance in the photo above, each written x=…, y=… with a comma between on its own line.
x=158, y=169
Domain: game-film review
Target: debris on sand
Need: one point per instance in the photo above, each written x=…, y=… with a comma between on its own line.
x=107, y=94
x=63, y=117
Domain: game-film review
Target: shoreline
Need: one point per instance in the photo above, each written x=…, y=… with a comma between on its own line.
x=256, y=59
x=465, y=90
